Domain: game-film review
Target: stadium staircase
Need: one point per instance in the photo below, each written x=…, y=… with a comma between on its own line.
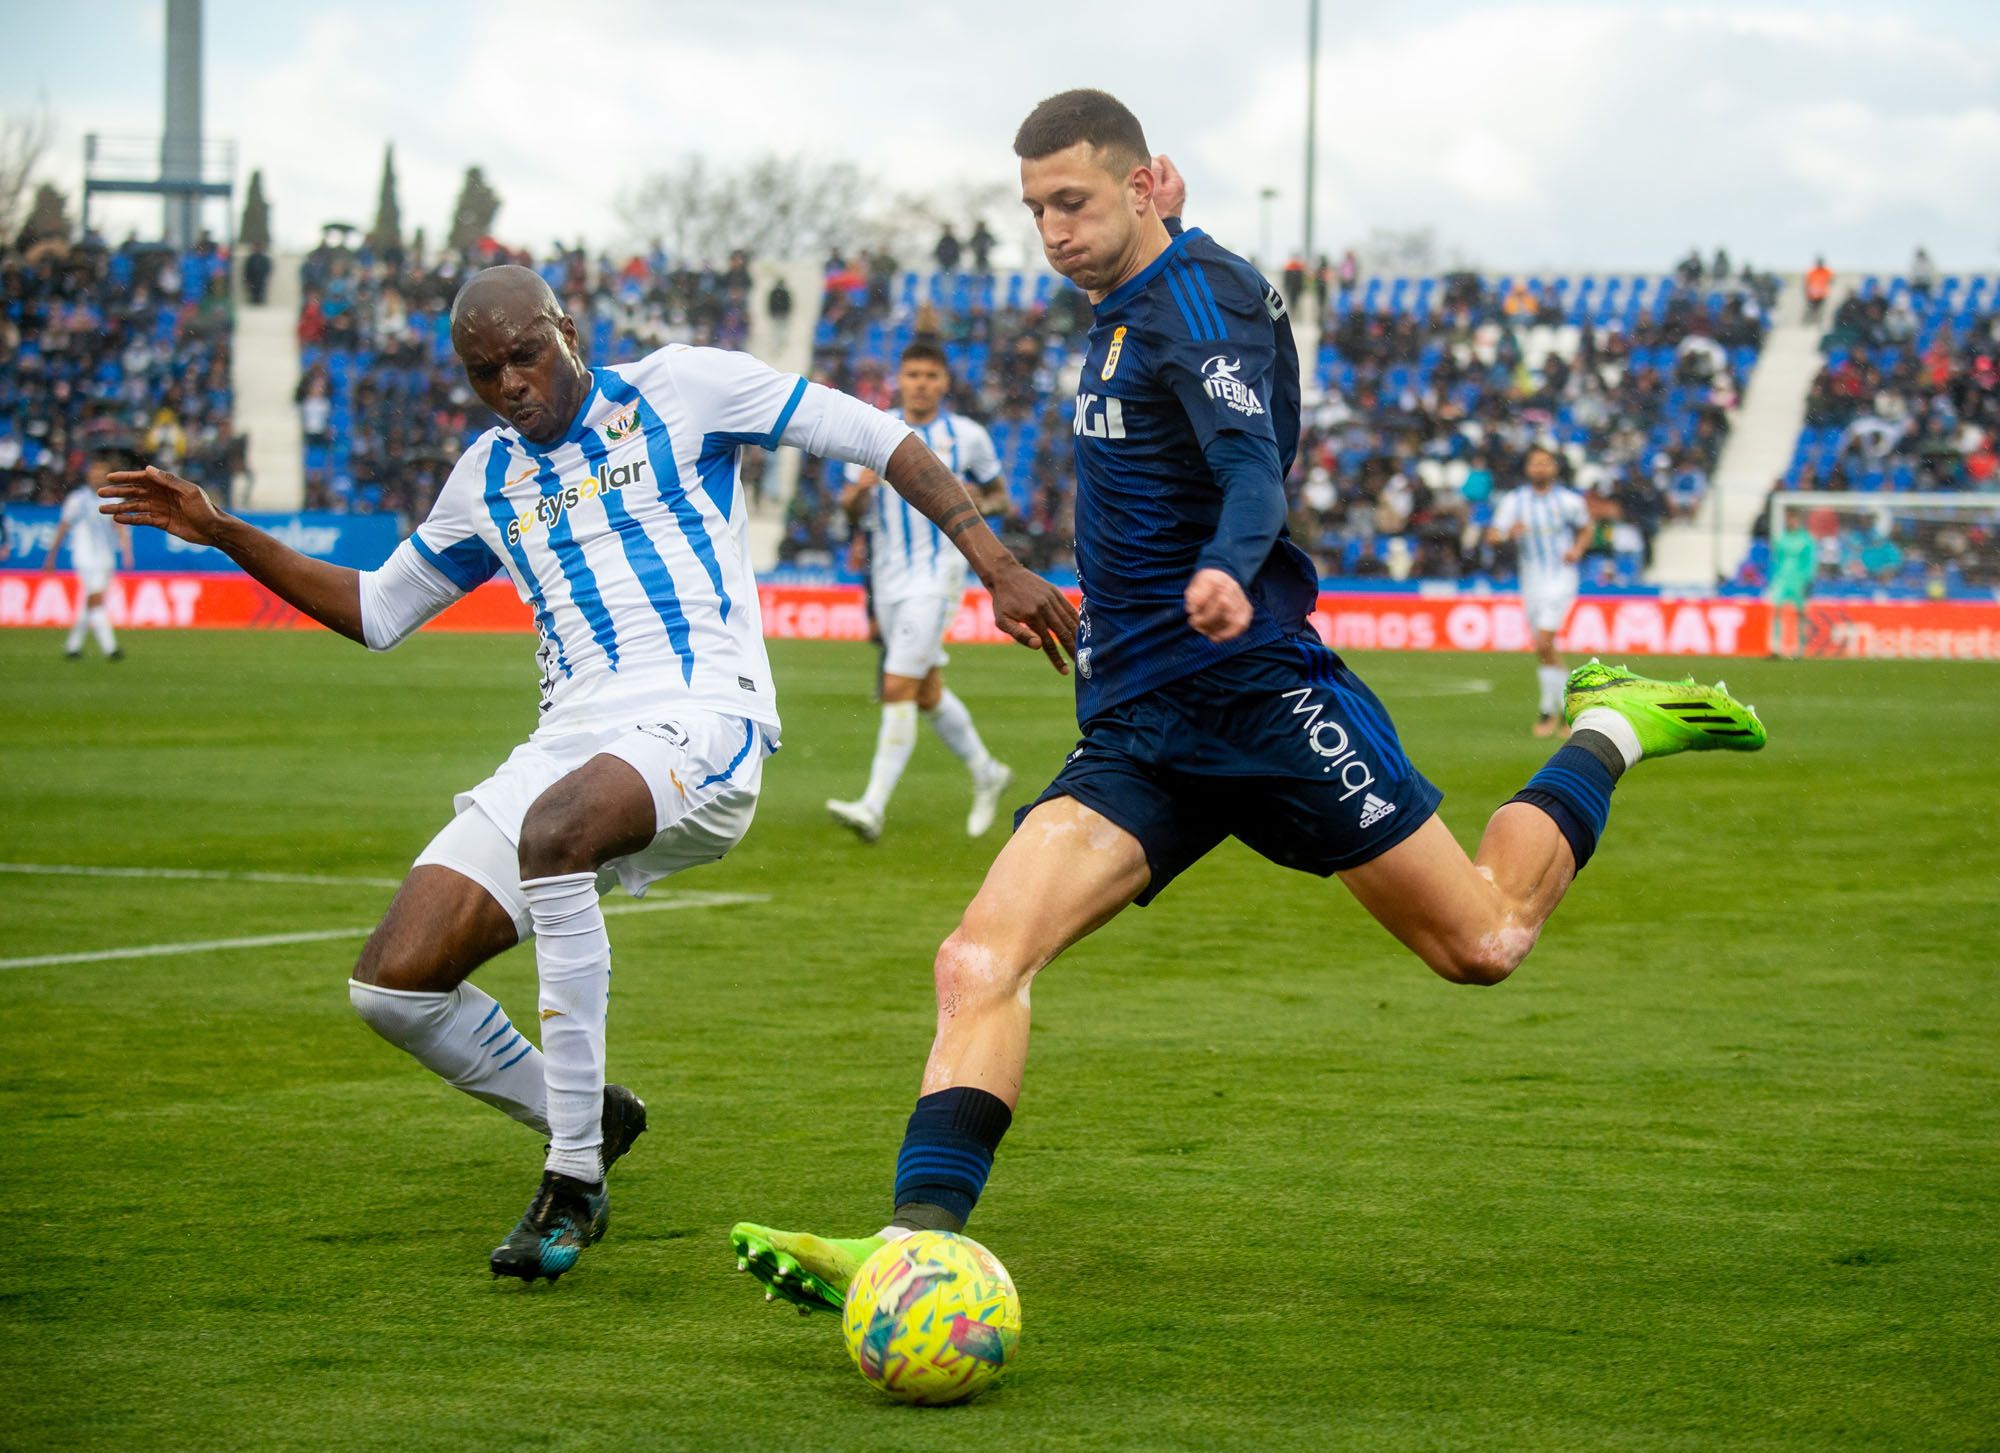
x=788, y=352
x=1696, y=553
x=266, y=373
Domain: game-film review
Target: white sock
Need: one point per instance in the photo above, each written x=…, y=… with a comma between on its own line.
x=893, y=745
x=76, y=630
x=100, y=624
x=464, y=1037
x=1603, y=719
x=954, y=724
x=1552, y=679
x=573, y=957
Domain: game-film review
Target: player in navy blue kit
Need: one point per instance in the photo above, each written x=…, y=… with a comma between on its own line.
x=1209, y=708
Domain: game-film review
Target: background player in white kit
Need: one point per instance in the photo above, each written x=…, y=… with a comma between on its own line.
x=95, y=544
x=612, y=499
x=1549, y=525
x=918, y=583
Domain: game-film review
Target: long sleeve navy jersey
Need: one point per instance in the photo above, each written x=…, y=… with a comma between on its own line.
x=1194, y=347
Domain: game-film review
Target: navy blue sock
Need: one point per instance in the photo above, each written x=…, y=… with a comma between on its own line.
x=1574, y=789
x=947, y=1155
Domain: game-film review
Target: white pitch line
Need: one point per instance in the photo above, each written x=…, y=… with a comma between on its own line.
x=209, y=875
x=324, y=935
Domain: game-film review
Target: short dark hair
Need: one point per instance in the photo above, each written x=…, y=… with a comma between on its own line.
x=1095, y=117
x=922, y=350
x=1555, y=455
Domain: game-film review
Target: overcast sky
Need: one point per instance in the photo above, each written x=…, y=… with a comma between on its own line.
x=1608, y=134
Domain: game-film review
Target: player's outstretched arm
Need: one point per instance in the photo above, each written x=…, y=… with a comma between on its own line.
x=1025, y=606
x=330, y=594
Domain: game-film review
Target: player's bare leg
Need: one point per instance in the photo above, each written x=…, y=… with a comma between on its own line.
x=1549, y=676
x=601, y=811
x=1066, y=872
x=1474, y=919
x=93, y=617
x=1471, y=919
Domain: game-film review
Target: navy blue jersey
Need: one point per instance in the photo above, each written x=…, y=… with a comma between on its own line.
x=1196, y=346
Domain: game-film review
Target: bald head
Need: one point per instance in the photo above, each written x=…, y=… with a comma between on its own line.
x=508, y=293
x=519, y=351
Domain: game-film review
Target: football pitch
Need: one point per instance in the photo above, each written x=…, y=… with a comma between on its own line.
x=1719, y=1167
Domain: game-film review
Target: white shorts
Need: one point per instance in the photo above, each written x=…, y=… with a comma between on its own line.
x=704, y=771
x=1547, y=603
x=913, y=633
x=94, y=576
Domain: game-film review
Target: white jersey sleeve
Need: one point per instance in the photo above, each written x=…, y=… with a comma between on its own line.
x=440, y=562
x=978, y=460
x=741, y=400
x=1508, y=515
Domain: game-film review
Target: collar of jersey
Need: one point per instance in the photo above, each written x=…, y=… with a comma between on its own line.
x=1131, y=287
x=575, y=429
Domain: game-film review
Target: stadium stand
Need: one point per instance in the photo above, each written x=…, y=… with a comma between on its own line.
x=1908, y=401
x=100, y=344
x=1429, y=390
x=384, y=407
x=1422, y=398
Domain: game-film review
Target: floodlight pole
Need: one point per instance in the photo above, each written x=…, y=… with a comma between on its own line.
x=1312, y=118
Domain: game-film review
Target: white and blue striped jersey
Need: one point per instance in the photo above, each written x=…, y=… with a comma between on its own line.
x=907, y=554
x=628, y=537
x=93, y=538
x=1548, y=520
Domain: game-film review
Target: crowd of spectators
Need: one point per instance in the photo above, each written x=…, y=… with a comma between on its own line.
x=1908, y=400
x=102, y=345
x=1909, y=397
x=1014, y=342
x=1425, y=397
x=383, y=405
x=1428, y=394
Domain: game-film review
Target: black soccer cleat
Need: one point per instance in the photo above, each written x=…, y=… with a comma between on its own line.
x=624, y=1122
x=564, y=1218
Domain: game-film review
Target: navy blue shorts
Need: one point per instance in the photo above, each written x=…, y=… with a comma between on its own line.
x=1281, y=747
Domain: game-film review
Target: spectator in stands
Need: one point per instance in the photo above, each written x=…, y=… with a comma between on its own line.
x=1688, y=271
x=1819, y=283
x=948, y=250
x=1295, y=281
x=257, y=276
x=981, y=242
x=778, y=303
x=1350, y=271
x=1718, y=270
x=1923, y=274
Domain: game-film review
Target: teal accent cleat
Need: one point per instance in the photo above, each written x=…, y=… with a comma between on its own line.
x=811, y=1272
x=564, y=1219
x=1666, y=716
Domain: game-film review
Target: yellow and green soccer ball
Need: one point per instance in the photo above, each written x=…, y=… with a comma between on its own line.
x=932, y=1318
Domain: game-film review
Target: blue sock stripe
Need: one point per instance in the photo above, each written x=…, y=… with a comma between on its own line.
x=526, y=1050
x=505, y=1047
x=505, y=1025
x=947, y=1150
x=1592, y=800
x=934, y=1158
x=489, y=1016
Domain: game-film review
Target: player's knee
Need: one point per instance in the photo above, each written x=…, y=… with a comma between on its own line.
x=969, y=973
x=556, y=837
x=388, y=962
x=1484, y=961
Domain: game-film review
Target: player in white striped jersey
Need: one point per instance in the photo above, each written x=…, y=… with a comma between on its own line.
x=611, y=499
x=95, y=544
x=1549, y=525
x=918, y=584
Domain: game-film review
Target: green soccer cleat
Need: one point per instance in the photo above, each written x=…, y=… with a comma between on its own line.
x=811, y=1272
x=1666, y=716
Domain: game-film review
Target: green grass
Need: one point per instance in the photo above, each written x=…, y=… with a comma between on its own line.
x=1719, y=1168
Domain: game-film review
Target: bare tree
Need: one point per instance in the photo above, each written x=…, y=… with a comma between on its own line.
x=25, y=138
x=776, y=206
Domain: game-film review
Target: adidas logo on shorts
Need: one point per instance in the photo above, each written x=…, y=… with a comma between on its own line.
x=1374, y=809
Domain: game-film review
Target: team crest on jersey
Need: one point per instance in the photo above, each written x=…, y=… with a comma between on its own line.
x=1111, y=356
x=1220, y=382
x=545, y=513
x=624, y=426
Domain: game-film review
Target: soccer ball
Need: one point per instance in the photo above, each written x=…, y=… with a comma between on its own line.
x=932, y=1318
